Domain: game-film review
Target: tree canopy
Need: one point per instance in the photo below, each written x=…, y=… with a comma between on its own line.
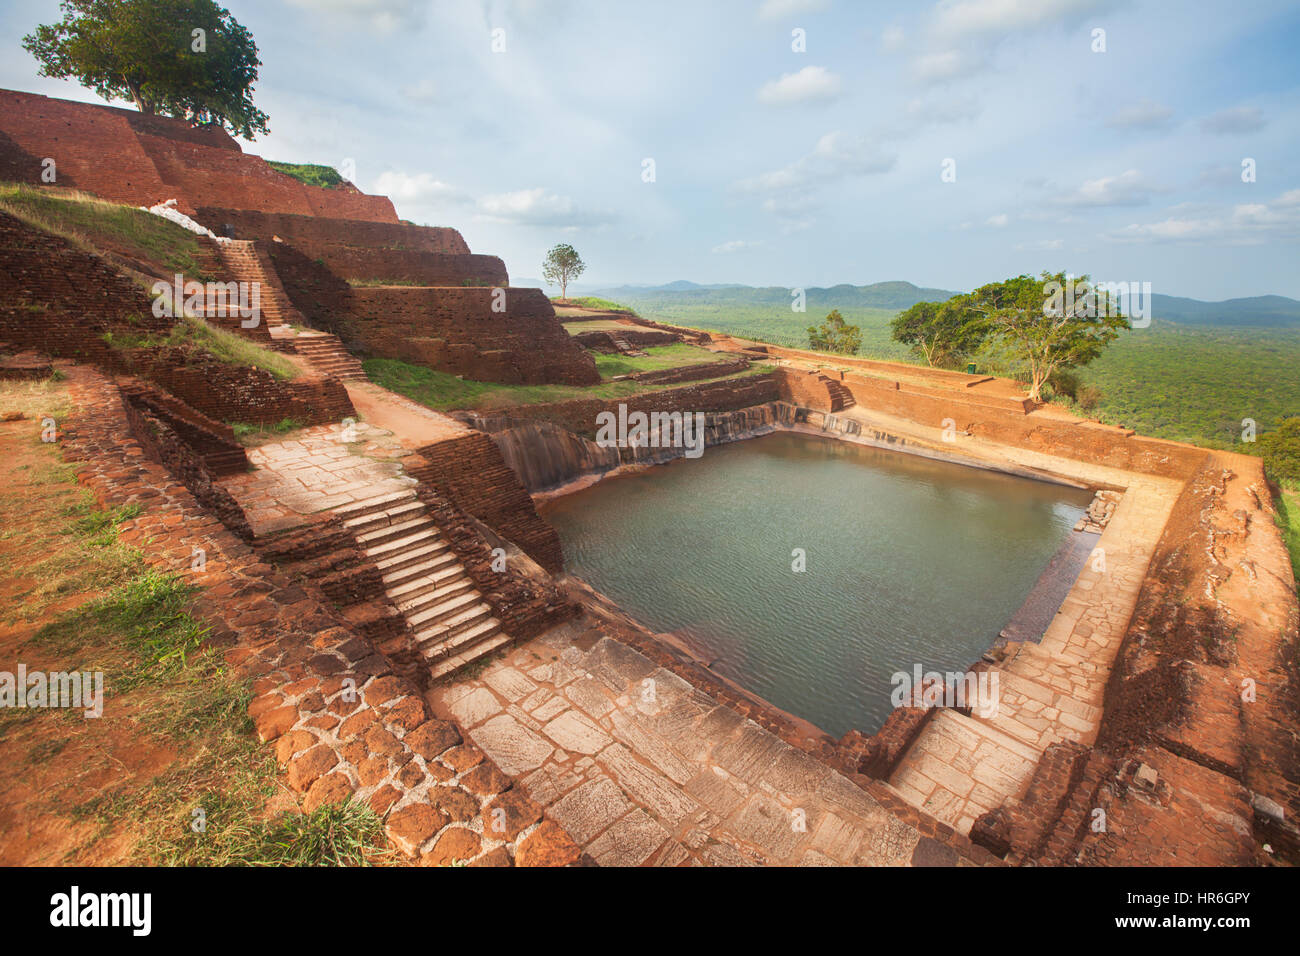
x=1053, y=322
x=561, y=266
x=835, y=335
x=940, y=331
x=188, y=59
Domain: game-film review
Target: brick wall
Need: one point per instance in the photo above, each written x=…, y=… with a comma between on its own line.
x=455, y=330
x=414, y=267
x=579, y=416
x=471, y=474
x=124, y=156
x=316, y=235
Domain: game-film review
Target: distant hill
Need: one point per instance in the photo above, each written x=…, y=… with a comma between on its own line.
x=683, y=298
x=880, y=295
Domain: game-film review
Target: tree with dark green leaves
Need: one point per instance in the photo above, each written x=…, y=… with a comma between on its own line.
x=943, y=332
x=835, y=335
x=1280, y=450
x=1052, y=322
x=189, y=59
x=561, y=266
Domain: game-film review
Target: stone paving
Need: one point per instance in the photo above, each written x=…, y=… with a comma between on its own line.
x=643, y=769
x=318, y=469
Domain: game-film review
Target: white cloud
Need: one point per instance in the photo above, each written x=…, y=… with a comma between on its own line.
x=946, y=65
x=1243, y=224
x=1147, y=114
x=1042, y=245
x=891, y=39
x=967, y=18
x=422, y=92
x=538, y=207
x=382, y=16
x=421, y=188
x=1239, y=119
x=777, y=9
x=810, y=84
x=735, y=245
x=836, y=156
x=1127, y=189
x=1000, y=220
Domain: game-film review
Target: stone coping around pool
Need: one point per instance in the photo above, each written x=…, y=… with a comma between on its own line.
x=643, y=766
x=343, y=724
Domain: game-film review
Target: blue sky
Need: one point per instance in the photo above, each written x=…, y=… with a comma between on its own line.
x=777, y=167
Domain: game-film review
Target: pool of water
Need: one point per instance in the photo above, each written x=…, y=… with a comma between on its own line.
x=909, y=561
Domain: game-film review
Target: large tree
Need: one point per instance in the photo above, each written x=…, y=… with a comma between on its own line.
x=561, y=266
x=835, y=335
x=184, y=58
x=940, y=330
x=1052, y=322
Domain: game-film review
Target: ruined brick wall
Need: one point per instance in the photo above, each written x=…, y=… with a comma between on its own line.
x=470, y=473
x=804, y=388
x=691, y=373
x=579, y=416
x=235, y=393
x=213, y=441
x=95, y=148
x=1065, y=438
x=412, y=267
x=123, y=156
x=455, y=330
x=315, y=236
x=164, y=445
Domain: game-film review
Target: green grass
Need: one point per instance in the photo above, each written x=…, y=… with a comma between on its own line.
x=1288, y=520
x=443, y=391
x=222, y=345
x=656, y=358
x=310, y=174
x=98, y=226
x=255, y=434
x=593, y=302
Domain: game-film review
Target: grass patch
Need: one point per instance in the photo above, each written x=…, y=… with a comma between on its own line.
x=252, y=434
x=594, y=302
x=98, y=226
x=1288, y=520
x=657, y=357
x=310, y=174
x=443, y=391
x=38, y=399
x=222, y=345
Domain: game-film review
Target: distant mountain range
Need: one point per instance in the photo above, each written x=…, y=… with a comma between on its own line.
x=1264, y=311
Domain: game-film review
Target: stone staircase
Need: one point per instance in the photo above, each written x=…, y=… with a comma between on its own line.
x=841, y=397
x=326, y=354
x=451, y=622
x=246, y=263
x=624, y=346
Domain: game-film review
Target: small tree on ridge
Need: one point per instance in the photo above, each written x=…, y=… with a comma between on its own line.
x=561, y=266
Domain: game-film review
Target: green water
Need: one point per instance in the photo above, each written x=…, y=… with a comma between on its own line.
x=908, y=561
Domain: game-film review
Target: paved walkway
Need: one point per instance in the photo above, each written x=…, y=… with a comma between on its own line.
x=643, y=769
x=319, y=469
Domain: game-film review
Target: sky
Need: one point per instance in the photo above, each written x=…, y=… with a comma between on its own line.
x=801, y=143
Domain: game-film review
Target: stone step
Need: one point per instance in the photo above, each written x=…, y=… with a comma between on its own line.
x=441, y=613
x=396, y=532
x=424, y=550
x=453, y=664
x=394, y=514
x=370, y=505
x=457, y=640
x=440, y=569
x=422, y=593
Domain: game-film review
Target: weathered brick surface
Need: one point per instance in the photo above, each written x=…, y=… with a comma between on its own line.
x=117, y=154
x=318, y=235
x=322, y=693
